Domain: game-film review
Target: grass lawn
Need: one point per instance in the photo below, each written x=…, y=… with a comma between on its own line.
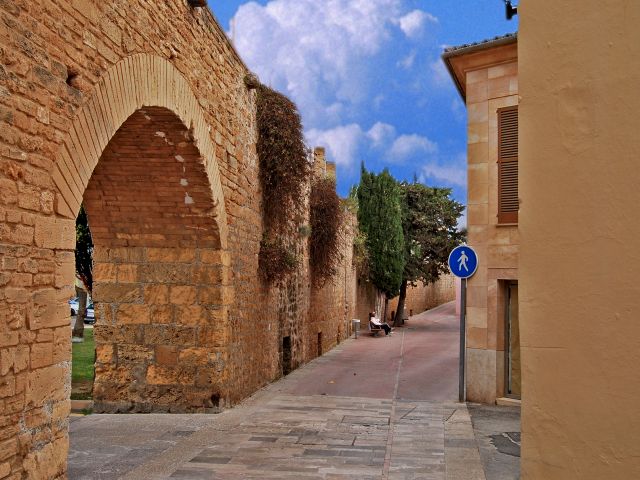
x=82, y=371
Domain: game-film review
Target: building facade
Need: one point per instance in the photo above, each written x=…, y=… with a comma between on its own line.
x=580, y=303
x=486, y=75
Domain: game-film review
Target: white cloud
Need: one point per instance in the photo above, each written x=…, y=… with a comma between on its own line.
x=381, y=134
x=440, y=74
x=408, y=61
x=406, y=146
x=316, y=52
x=341, y=142
x=323, y=54
x=377, y=101
x=458, y=109
x=462, y=220
x=413, y=23
x=452, y=173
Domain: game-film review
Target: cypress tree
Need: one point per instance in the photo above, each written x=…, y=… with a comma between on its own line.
x=380, y=219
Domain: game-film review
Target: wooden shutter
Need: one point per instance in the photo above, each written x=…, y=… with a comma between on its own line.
x=508, y=165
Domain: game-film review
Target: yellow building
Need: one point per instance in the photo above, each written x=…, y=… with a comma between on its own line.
x=579, y=71
x=486, y=75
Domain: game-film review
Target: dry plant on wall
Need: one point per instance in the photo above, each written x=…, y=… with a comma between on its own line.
x=326, y=222
x=284, y=174
x=360, y=259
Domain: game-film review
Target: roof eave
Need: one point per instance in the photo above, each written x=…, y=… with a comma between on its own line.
x=453, y=53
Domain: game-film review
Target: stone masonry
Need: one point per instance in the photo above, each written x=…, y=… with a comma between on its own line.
x=138, y=109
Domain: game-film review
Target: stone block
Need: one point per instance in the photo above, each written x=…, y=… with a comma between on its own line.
x=7, y=359
x=477, y=338
x=165, y=273
x=208, y=274
x=164, y=375
x=55, y=232
x=161, y=314
x=156, y=294
x=477, y=92
x=169, y=335
x=8, y=448
x=41, y=355
x=481, y=373
x=191, y=315
x=166, y=355
x=118, y=334
x=105, y=353
x=45, y=384
x=212, y=336
x=117, y=293
x=104, y=272
x=129, y=313
x=171, y=255
x=47, y=311
x=61, y=345
x=195, y=356
x=138, y=354
x=48, y=461
x=182, y=295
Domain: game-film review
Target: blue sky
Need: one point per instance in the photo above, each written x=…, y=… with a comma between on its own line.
x=367, y=77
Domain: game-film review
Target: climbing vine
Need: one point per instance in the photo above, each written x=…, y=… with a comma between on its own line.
x=284, y=175
x=326, y=220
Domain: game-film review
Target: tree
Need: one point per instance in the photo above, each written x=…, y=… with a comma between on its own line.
x=380, y=220
x=84, y=269
x=430, y=230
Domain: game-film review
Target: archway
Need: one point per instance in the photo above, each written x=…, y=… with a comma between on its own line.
x=157, y=271
x=135, y=88
x=140, y=154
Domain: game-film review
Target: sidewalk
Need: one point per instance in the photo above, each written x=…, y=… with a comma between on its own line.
x=373, y=408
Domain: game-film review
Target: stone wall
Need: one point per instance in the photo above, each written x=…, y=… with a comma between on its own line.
x=419, y=298
x=424, y=297
x=334, y=304
x=140, y=110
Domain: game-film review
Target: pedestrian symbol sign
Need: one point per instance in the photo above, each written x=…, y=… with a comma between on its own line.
x=463, y=261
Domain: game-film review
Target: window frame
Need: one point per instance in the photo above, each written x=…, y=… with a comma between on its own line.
x=506, y=217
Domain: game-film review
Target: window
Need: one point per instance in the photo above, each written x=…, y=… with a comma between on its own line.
x=508, y=165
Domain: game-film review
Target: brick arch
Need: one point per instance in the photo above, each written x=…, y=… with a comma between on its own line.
x=139, y=155
x=137, y=81
x=159, y=281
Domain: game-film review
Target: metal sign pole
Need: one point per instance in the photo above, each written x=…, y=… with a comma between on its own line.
x=463, y=263
x=462, y=397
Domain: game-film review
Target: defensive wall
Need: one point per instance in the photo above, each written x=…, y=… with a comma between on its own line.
x=139, y=111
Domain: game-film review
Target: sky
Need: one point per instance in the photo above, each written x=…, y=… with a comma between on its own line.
x=368, y=78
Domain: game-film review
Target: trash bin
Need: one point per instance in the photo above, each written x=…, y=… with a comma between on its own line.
x=356, y=326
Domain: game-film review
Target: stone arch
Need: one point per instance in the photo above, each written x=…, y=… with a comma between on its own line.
x=134, y=82
x=161, y=294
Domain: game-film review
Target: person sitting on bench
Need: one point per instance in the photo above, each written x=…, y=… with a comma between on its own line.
x=375, y=321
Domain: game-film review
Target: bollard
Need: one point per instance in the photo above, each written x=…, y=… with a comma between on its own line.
x=356, y=326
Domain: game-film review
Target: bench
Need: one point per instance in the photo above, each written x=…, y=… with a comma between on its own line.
x=374, y=329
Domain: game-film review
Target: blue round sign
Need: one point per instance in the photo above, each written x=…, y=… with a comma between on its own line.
x=463, y=261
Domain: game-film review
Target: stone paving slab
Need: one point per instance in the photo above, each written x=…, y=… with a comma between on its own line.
x=320, y=422
x=497, y=432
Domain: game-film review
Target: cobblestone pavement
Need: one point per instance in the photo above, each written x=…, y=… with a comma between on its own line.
x=355, y=413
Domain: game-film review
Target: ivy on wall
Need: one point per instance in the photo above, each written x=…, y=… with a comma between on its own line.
x=284, y=175
x=326, y=220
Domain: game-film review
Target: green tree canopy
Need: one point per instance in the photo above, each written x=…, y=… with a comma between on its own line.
x=380, y=220
x=84, y=269
x=430, y=230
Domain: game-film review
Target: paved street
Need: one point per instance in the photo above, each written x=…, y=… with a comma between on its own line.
x=373, y=408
